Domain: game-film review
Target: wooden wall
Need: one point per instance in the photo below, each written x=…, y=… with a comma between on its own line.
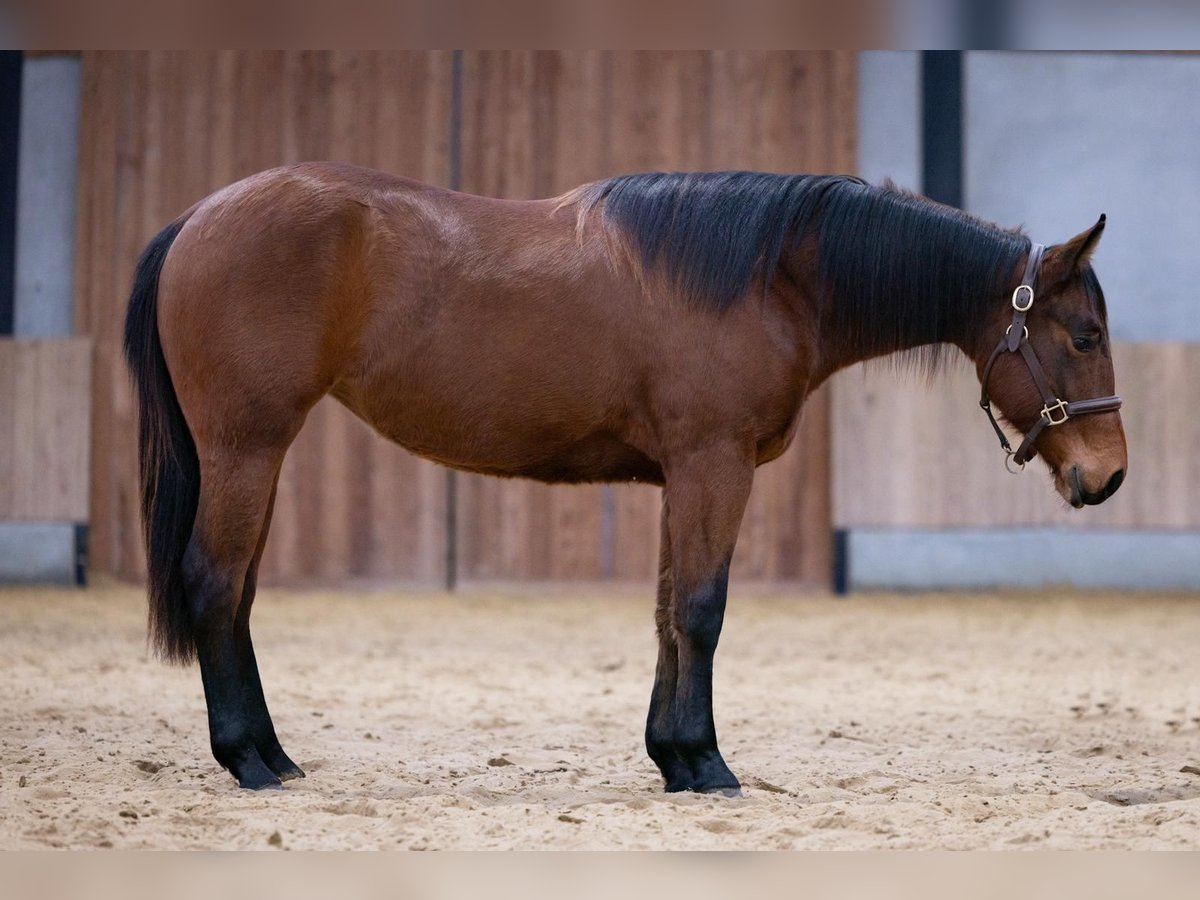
x=161, y=130
x=44, y=425
x=910, y=454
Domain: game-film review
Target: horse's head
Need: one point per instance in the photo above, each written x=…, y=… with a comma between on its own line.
x=1070, y=419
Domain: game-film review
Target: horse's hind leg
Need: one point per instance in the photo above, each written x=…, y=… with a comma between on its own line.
x=261, y=727
x=235, y=496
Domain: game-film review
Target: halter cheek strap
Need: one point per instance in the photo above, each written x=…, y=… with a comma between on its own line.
x=1055, y=411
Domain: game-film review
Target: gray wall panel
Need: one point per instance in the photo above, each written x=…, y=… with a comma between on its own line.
x=921, y=559
x=889, y=117
x=39, y=552
x=1054, y=139
x=46, y=190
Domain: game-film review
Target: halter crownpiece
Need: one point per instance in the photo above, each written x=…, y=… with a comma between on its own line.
x=1055, y=411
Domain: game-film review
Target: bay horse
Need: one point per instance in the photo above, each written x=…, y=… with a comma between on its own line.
x=664, y=328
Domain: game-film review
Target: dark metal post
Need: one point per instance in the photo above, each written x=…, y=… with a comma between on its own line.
x=942, y=125
x=10, y=129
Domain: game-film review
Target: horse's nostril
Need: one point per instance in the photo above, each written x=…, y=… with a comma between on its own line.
x=1114, y=482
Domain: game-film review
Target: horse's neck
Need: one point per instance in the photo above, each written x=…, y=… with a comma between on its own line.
x=881, y=330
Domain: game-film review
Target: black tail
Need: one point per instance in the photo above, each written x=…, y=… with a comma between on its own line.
x=170, y=470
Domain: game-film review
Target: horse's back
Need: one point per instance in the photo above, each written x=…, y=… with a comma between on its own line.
x=484, y=334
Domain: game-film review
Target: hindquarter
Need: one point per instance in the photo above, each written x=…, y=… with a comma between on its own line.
x=259, y=300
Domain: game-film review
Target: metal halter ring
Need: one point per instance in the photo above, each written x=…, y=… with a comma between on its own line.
x=1059, y=406
x=1024, y=328
x=1008, y=457
x=1017, y=293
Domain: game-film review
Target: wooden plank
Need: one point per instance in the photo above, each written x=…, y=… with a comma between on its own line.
x=136, y=111
x=915, y=455
x=44, y=429
x=102, y=89
x=24, y=436
x=64, y=407
x=8, y=429
x=1160, y=384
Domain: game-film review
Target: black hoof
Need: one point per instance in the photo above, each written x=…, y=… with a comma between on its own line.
x=253, y=774
x=677, y=776
x=289, y=773
x=272, y=784
x=712, y=776
x=279, y=763
x=735, y=791
x=258, y=781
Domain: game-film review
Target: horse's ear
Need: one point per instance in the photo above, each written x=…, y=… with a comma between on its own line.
x=1063, y=260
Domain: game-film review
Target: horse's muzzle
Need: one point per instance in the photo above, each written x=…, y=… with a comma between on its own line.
x=1080, y=497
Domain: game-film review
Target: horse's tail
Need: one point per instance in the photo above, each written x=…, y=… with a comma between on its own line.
x=169, y=468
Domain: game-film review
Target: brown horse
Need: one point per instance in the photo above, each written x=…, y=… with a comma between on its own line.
x=665, y=328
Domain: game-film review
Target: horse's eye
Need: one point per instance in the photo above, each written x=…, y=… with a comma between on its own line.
x=1084, y=343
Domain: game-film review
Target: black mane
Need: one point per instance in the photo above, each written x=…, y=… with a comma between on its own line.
x=896, y=270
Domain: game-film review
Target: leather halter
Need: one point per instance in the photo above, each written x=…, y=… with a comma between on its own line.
x=1055, y=411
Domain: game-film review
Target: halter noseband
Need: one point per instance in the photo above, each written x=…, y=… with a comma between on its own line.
x=1016, y=339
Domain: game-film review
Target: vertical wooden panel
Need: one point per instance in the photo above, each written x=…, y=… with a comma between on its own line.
x=113, y=400
x=62, y=395
x=44, y=429
x=536, y=124
x=8, y=431
x=24, y=438
x=160, y=131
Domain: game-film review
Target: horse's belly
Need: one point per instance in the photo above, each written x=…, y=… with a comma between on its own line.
x=505, y=440
x=592, y=459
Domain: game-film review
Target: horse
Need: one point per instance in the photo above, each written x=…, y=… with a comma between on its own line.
x=662, y=327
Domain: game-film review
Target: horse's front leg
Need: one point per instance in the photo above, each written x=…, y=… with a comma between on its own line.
x=706, y=495
x=660, y=721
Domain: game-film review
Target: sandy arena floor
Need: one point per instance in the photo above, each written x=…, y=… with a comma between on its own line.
x=489, y=721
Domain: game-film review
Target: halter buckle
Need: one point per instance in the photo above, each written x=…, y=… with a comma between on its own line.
x=1049, y=410
x=1016, y=298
